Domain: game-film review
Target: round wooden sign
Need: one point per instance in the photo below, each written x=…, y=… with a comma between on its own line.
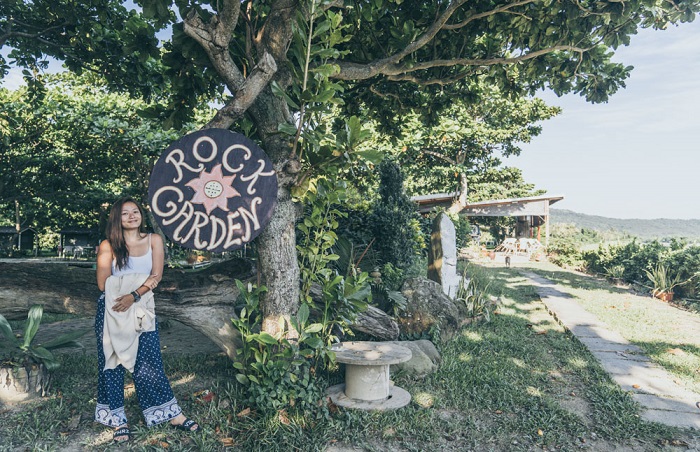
x=213, y=190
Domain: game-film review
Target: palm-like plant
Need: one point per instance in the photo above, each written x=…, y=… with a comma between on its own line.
x=15, y=352
x=662, y=281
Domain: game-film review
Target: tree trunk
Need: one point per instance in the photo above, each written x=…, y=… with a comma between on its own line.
x=279, y=267
x=202, y=300
x=461, y=202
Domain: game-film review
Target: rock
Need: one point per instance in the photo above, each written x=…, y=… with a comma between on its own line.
x=442, y=255
x=421, y=363
x=373, y=321
x=429, y=349
x=427, y=306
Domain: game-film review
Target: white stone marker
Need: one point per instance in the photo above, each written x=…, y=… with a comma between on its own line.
x=442, y=255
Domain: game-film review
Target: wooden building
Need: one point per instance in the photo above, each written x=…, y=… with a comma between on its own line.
x=530, y=213
x=24, y=240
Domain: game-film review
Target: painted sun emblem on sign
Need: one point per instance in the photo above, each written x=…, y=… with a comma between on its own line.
x=213, y=189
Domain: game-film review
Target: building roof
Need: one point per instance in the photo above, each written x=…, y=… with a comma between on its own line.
x=79, y=231
x=13, y=230
x=492, y=207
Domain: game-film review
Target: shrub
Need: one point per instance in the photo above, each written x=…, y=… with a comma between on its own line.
x=394, y=221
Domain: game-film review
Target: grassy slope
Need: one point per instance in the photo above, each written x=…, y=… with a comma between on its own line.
x=517, y=383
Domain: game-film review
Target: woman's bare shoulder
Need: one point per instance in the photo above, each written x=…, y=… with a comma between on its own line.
x=105, y=246
x=156, y=240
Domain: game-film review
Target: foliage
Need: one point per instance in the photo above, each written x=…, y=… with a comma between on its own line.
x=276, y=371
x=615, y=272
x=567, y=241
x=634, y=257
x=19, y=353
x=638, y=263
x=71, y=147
x=344, y=291
x=473, y=291
x=662, y=280
x=386, y=294
x=686, y=263
x=394, y=219
x=460, y=148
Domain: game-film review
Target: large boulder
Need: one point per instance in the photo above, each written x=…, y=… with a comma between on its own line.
x=428, y=306
x=425, y=358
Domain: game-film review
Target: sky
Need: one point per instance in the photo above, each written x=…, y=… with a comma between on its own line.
x=637, y=156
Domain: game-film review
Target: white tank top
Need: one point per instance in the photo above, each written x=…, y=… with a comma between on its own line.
x=137, y=264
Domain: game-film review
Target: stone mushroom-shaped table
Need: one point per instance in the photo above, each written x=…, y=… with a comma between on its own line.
x=367, y=385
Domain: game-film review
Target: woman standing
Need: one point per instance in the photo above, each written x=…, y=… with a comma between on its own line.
x=129, y=267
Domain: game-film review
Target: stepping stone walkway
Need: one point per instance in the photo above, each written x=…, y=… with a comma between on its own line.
x=662, y=400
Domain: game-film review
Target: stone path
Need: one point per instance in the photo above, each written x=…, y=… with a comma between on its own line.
x=662, y=400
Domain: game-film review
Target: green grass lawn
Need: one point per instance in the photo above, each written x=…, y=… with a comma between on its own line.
x=518, y=383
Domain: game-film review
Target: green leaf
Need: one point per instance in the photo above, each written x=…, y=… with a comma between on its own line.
x=241, y=286
x=41, y=353
x=303, y=313
x=278, y=91
x=326, y=70
x=33, y=322
x=65, y=340
x=286, y=128
x=6, y=331
x=266, y=338
x=313, y=328
x=238, y=365
x=314, y=342
x=373, y=156
x=242, y=379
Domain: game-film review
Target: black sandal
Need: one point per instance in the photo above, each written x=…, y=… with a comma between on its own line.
x=124, y=431
x=187, y=425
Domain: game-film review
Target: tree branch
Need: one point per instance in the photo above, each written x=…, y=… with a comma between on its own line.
x=474, y=17
x=400, y=73
x=440, y=156
x=354, y=71
x=214, y=38
x=248, y=91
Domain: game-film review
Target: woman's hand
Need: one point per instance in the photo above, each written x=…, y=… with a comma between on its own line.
x=151, y=282
x=123, y=303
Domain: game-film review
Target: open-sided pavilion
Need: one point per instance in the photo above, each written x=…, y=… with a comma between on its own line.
x=531, y=213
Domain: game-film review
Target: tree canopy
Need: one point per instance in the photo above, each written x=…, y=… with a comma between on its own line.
x=282, y=66
x=68, y=146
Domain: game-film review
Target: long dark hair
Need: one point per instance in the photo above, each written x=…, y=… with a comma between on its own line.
x=115, y=233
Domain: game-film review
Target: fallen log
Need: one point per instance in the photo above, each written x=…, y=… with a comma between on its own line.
x=203, y=299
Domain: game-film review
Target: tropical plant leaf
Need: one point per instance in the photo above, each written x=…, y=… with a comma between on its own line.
x=6, y=331
x=303, y=313
x=65, y=340
x=265, y=338
x=33, y=322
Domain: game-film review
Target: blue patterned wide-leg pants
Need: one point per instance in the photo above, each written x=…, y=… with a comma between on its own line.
x=152, y=386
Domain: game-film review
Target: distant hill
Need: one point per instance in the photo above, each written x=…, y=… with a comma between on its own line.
x=645, y=229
